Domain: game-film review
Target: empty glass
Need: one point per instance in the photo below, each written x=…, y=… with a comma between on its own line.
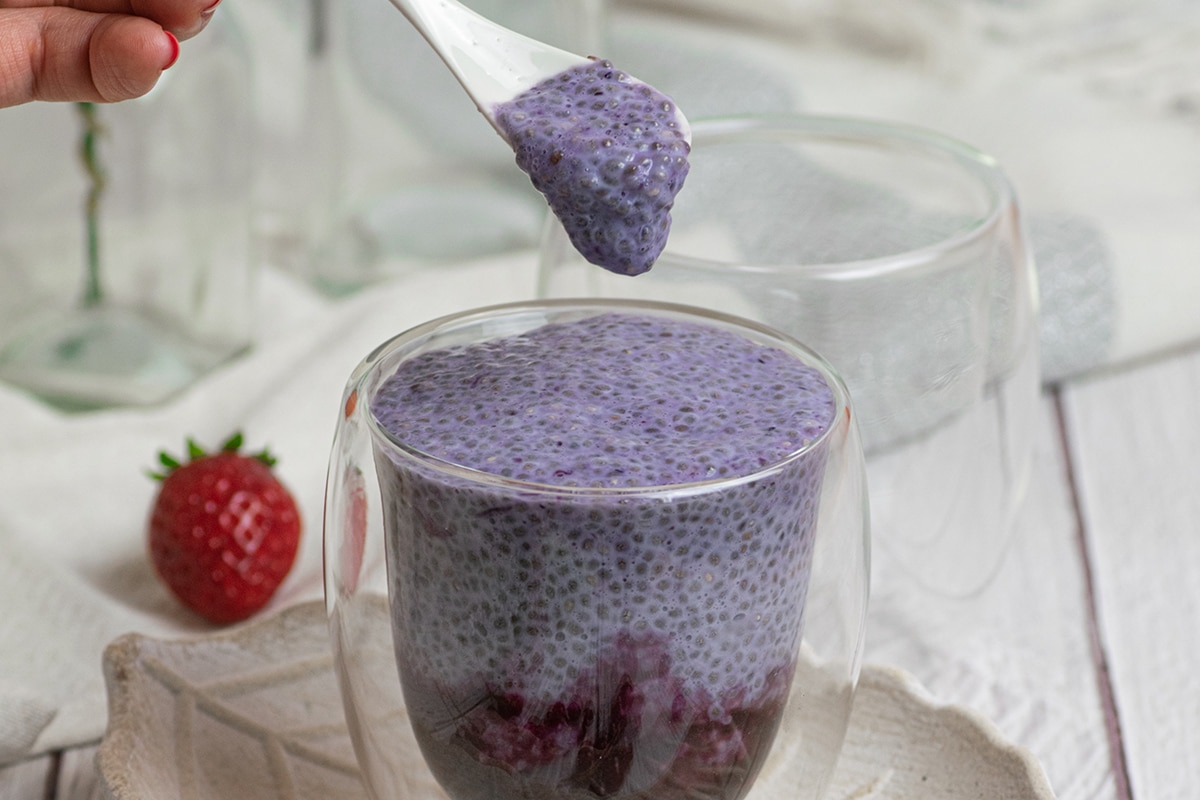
x=581, y=638
x=126, y=263
x=899, y=255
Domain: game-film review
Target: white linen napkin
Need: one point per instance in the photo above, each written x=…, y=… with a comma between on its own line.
x=74, y=495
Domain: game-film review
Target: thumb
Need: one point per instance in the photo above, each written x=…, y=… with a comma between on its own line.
x=64, y=54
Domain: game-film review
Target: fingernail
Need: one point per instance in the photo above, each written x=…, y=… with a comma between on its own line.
x=174, y=43
x=208, y=12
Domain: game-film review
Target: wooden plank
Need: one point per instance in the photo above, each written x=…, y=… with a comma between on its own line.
x=27, y=780
x=1018, y=652
x=1136, y=441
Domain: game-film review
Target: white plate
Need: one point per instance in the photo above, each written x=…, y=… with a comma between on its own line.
x=254, y=713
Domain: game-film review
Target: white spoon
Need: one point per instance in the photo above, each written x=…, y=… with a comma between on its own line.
x=493, y=64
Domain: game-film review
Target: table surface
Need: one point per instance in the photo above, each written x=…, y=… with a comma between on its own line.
x=1084, y=647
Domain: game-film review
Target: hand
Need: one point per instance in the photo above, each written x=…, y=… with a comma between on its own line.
x=91, y=50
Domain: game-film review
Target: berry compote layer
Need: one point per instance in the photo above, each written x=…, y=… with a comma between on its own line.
x=562, y=628
x=609, y=153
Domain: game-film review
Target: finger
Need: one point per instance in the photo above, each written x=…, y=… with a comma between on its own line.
x=184, y=18
x=61, y=54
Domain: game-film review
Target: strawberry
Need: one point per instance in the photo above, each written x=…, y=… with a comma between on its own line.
x=223, y=531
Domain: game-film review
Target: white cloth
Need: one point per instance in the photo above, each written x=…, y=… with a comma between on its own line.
x=74, y=494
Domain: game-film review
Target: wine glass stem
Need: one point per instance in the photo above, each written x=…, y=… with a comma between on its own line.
x=89, y=152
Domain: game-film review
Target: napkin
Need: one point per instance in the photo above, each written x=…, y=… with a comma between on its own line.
x=74, y=495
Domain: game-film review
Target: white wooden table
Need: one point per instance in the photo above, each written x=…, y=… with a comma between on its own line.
x=1085, y=649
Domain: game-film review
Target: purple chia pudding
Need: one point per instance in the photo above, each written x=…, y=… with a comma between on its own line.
x=563, y=628
x=609, y=153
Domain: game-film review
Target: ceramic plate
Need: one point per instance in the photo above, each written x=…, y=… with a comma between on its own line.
x=254, y=713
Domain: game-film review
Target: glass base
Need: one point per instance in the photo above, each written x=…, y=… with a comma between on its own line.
x=96, y=358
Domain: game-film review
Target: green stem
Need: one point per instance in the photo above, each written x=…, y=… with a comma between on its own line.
x=89, y=153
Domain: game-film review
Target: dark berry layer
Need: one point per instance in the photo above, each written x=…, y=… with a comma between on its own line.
x=630, y=731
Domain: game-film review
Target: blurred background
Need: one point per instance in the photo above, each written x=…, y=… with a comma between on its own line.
x=325, y=142
x=1092, y=108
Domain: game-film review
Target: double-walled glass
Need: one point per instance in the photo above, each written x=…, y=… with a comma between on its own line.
x=899, y=255
x=498, y=638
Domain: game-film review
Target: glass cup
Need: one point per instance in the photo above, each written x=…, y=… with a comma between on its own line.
x=899, y=255
x=495, y=637
x=127, y=269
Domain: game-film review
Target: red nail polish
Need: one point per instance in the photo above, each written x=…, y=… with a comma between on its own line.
x=174, y=50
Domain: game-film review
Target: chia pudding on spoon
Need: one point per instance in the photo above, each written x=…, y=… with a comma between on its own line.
x=609, y=153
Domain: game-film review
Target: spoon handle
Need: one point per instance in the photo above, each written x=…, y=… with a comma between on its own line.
x=493, y=63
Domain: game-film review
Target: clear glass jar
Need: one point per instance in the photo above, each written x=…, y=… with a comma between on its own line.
x=126, y=267
x=506, y=637
x=299, y=131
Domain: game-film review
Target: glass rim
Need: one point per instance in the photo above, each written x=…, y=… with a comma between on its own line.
x=368, y=377
x=879, y=135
